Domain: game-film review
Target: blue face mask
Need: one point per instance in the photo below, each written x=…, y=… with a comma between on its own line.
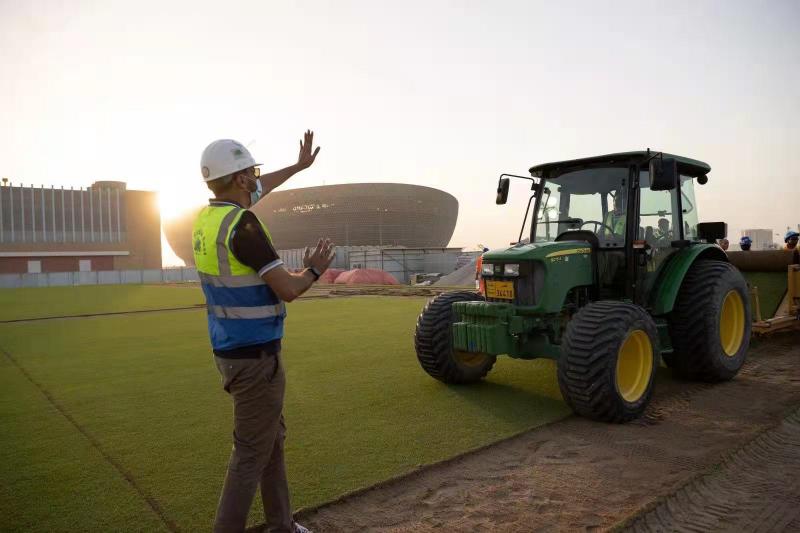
x=256, y=194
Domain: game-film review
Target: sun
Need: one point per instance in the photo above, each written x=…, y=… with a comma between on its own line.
x=174, y=202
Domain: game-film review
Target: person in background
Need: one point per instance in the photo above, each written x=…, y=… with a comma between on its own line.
x=614, y=223
x=724, y=244
x=745, y=243
x=479, y=283
x=790, y=239
x=663, y=233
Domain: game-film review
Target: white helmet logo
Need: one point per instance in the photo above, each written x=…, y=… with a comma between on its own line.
x=206, y=172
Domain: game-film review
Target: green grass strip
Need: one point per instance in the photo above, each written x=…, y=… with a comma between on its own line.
x=44, y=302
x=359, y=409
x=771, y=290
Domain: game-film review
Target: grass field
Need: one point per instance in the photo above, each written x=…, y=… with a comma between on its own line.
x=141, y=392
x=16, y=304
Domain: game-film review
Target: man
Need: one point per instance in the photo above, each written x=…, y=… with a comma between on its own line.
x=614, y=223
x=663, y=233
x=790, y=239
x=745, y=243
x=724, y=244
x=246, y=285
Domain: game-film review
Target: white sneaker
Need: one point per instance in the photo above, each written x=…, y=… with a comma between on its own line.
x=301, y=529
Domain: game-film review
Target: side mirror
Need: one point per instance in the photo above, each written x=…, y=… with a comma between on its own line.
x=663, y=174
x=712, y=231
x=502, y=191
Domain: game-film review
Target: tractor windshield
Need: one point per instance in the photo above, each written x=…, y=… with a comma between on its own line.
x=590, y=199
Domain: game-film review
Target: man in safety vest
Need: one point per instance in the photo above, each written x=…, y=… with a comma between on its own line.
x=246, y=285
x=614, y=223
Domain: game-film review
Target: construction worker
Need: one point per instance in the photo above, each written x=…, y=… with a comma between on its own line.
x=724, y=244
x=480, y=284
x=745, y=243
x=246, y=285
x=614, y=223
x=790, y=239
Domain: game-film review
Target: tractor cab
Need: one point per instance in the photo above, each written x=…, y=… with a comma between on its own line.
x=632, y=223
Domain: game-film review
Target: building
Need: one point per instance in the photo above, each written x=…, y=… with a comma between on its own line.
x=358, y=214
x=762, y=238
x=103, y=227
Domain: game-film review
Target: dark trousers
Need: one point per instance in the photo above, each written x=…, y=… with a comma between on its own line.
x=257, y=388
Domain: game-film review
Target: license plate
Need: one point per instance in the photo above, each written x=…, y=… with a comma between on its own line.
x=500, y=289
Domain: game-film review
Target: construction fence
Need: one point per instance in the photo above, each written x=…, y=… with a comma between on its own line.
x=402, y=263
x=99, y=277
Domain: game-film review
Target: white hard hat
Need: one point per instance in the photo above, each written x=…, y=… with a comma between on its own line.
x=224, y=157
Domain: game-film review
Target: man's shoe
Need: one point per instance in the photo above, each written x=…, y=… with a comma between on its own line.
x=301, y=529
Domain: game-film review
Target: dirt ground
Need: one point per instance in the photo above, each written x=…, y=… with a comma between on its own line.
x=695, y=442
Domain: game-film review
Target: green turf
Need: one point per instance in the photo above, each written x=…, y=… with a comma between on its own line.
x=771, y=289
x=42, y=302
x=358, y=408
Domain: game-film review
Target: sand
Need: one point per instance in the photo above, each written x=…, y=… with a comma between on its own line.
x=583, y=475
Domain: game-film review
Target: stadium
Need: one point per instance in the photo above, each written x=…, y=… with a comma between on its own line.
x=363, y=214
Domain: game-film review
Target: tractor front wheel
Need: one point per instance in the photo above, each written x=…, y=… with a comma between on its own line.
x=433, y=341
x=609, y=356
x=710, y=324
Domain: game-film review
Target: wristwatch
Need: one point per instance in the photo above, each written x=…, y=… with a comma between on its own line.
x=314, y=272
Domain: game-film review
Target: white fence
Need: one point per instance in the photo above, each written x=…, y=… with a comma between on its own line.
x=402, y=263
x=99, y=277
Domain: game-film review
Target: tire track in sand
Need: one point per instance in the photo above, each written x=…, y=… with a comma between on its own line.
x=757, y=488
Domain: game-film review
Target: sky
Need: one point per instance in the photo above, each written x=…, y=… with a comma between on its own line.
x=443, y=94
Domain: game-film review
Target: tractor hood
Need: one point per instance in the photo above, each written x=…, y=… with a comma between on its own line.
x=537, y=251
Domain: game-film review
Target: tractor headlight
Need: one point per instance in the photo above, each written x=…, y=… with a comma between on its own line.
x=511, y=269
x=487, y=269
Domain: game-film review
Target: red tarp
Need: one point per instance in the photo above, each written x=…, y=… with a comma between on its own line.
x=366, y=276
x=330, y=275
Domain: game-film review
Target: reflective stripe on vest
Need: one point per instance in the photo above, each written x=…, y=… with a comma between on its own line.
x=222, y=311
x=242, y=309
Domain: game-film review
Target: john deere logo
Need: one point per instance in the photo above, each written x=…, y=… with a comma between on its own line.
x=237, y=152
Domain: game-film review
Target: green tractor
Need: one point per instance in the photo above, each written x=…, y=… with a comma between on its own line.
x=615, y=276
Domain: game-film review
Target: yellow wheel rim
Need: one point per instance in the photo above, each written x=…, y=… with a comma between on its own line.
x=634, y=365
x=731, y=323
x=469, y=358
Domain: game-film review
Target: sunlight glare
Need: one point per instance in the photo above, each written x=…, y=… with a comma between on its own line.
x=174, y=202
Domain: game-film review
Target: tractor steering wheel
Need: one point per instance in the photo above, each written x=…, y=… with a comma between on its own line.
x=598, y=225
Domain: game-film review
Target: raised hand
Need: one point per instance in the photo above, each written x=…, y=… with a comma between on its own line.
x=306, y=158
x=321, y=257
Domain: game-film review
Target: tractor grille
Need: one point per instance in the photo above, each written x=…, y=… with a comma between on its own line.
x=531, y=276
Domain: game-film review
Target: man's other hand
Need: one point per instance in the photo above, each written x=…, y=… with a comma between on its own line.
x=306, y=158
x=321, y=257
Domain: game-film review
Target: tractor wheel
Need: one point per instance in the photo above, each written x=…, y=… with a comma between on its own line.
x=433, y=341
x=609, y=357
x=710, y=323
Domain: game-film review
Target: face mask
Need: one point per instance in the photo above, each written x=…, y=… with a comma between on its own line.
x=256, y=194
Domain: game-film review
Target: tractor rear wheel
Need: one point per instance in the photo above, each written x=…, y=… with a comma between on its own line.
x=609, y=357
x=710, y=323
x=433, y=341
